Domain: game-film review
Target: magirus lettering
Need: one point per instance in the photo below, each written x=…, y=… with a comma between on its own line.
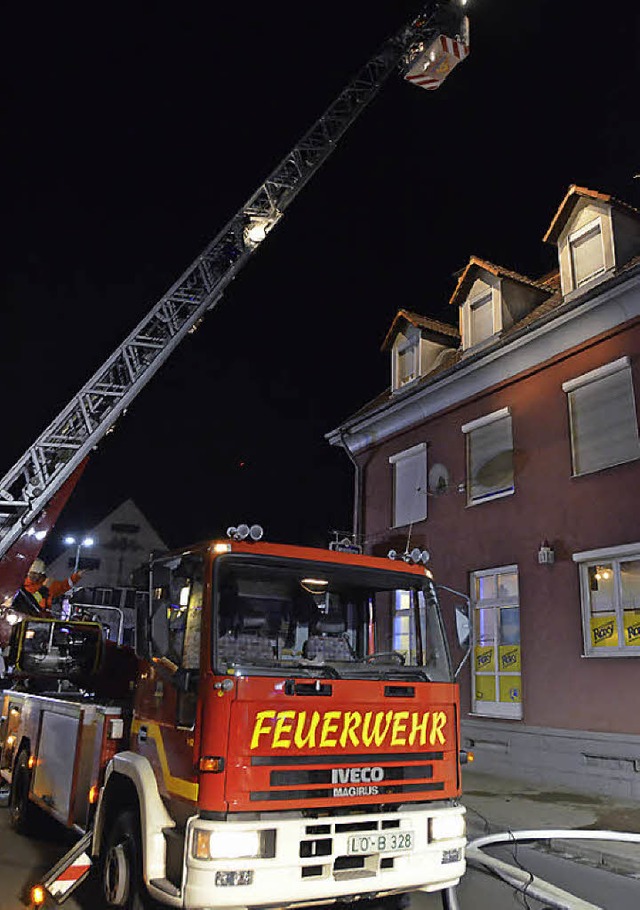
x=355, y=791
x=356, y=775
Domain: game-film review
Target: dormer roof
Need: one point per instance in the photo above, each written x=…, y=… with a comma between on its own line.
x=475, y=264
x=432, y=329
x=572, y=197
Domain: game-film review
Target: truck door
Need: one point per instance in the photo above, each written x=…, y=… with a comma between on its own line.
x=166, y=702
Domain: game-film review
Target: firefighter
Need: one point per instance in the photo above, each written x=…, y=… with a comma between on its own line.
x=43, y=589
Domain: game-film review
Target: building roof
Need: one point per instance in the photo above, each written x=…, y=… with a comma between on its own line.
x=454, y=357
x=432, y=328
x=467, y=277
x=572, y=197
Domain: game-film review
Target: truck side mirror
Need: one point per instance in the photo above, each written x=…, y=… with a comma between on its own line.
x=463, y=627
x=462, y=613
x=159, y=628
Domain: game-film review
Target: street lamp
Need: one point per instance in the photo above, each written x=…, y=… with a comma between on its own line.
x=85, y=542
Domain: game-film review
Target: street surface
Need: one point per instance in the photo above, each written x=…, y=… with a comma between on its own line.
x=23, y=861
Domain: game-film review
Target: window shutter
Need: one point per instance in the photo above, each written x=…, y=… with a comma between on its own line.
x=407, y=364
x=410, y=487
x=604, y=426
x=587, y=254
x=490, y=458
x=481, y=319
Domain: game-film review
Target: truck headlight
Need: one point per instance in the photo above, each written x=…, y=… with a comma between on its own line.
x=233, y=844
x=446, y=826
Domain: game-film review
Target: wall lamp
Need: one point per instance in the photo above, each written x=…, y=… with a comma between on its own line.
x=546, y=555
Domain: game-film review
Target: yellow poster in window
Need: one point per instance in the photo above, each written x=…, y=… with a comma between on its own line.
x=485, y=658
x=510, y=689
x=485, y=688
x=509, y=658
x=604, y=633
x=632, y=627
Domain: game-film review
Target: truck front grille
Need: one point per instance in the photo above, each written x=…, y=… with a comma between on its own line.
x=356, y=776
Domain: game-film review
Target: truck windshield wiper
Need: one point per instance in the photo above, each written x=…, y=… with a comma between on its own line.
x=312, y=669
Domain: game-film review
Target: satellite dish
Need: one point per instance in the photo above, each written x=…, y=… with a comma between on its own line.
x=438, y=479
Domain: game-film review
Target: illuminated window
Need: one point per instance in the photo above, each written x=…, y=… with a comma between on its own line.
x=496, y=670
x=602, y=417
x=587, y=253
x=610, y=597
x=409, y=485
x=489, y=443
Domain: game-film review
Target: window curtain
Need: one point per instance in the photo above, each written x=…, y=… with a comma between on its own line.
x=490, y=458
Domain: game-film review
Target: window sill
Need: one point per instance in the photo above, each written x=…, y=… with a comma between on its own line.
x=588, y=284
x=407, y=384
x=409, y=524
x=499, y=711
x=605, y=467
x=478, y=346
x=489, y=498
x=631, y=651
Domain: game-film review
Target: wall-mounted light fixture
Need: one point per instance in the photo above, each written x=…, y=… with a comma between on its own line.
x=546, y=555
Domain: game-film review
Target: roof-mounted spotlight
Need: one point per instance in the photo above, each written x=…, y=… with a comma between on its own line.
x=243, y=531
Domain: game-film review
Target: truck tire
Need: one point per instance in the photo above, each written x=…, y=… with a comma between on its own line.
x=21, y=809
x=121, y=864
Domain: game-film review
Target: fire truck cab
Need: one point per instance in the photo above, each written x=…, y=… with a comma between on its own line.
x=287, y=733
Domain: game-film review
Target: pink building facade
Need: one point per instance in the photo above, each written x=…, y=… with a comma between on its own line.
x=509, y=449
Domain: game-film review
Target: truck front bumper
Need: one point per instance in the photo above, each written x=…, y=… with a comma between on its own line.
x=325, y=859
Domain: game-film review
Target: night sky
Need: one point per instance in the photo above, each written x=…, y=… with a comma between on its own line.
x=132, y=133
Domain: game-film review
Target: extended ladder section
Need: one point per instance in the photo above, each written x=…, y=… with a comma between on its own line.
x=27, y=488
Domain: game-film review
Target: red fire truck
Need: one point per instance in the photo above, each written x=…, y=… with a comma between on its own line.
x=287, y=734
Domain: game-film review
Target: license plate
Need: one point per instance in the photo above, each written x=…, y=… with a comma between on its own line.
x=389, y=842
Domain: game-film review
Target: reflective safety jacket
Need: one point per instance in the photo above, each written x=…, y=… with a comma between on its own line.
x=44, y=592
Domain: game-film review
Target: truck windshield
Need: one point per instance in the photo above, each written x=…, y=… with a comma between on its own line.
x=324, y=619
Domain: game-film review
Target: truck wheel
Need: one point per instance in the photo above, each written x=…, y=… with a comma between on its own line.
x=121, y=865
x=21, y=809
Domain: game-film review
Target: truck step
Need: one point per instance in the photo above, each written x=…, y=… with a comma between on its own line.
x=163, y=884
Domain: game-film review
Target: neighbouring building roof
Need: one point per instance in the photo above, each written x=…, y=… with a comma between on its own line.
x=572, y=197
x=431, y=328
x=475, y=263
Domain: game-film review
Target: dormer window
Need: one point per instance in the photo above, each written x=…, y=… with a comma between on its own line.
x=481, y=318
x=491, y=299
x=587, y=252
x=418, y=345
x=595, y=234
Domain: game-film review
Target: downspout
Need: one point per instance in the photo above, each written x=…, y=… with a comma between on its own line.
x=357, y=490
